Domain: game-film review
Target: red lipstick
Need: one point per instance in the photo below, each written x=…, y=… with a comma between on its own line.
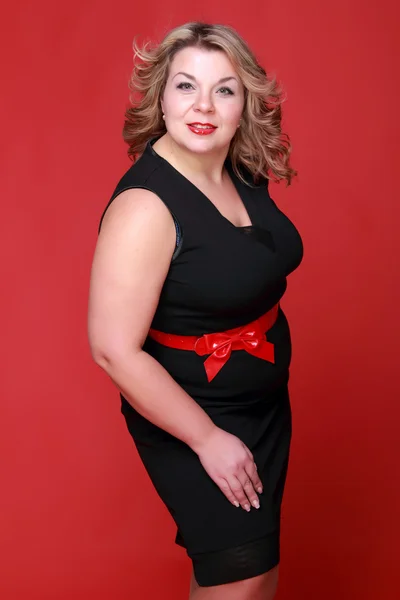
x=201, y=128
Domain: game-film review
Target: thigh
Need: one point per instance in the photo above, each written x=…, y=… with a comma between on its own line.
x=261, y=587
x=237, y=563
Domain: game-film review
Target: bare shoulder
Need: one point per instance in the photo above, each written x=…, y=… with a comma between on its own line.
x=136, y=205
x=138, y=222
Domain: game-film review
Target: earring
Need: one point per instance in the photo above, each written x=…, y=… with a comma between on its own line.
x=163, y=117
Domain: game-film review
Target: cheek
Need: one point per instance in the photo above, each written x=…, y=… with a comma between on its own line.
x=175, y=104
x=233, y=113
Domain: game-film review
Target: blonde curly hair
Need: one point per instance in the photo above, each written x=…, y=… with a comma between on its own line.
x=258, y=145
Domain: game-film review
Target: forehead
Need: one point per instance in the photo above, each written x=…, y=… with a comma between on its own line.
x=201, y=62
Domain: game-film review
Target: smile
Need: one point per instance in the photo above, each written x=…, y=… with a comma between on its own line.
x=202, y=128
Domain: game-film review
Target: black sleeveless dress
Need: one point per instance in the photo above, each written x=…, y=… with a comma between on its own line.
x=221, y=277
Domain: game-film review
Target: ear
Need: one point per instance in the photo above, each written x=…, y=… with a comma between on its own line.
x=162, y=104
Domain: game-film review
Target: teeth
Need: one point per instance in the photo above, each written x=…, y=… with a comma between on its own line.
x=202, y=127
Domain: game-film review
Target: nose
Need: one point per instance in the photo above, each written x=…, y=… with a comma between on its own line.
x=203, y=103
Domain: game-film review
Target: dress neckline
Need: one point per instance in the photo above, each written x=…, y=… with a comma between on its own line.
x=239, y=186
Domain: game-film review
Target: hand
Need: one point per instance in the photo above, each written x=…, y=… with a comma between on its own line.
x=230, y=464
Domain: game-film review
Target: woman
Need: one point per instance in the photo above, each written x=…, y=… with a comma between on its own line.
x=184, y=315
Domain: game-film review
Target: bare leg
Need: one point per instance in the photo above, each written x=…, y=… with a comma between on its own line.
x=193, y=585
x=262, y=587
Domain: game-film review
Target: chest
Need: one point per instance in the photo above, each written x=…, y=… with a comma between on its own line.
x=223, y=268
x=227, y=200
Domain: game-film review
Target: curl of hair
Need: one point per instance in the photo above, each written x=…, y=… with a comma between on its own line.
x=258, y=144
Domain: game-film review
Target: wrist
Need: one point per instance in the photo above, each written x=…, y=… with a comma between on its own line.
x=200, y=439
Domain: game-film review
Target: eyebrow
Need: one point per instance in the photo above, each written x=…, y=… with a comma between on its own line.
x=222, y=80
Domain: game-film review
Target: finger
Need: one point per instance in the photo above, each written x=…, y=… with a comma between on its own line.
x=254, y=466
x=248, y=451
x=251, y=470
x=248, y=488
x=226, y=490
x=239, y=493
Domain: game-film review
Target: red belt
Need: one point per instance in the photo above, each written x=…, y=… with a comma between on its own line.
x=251, y=337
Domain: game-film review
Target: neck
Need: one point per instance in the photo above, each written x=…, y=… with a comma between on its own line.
x=208, y=167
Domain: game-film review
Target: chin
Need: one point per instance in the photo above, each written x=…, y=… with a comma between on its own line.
x=204, y=145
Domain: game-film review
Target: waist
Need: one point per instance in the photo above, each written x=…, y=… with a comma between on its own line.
x=219, y=345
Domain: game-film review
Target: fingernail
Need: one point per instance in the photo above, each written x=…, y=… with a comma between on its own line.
x=256, y=504
x=236, y=504
x=247, y=507
x=259, y=490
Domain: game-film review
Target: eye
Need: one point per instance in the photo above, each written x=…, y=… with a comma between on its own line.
x=184, y=86
x=226, y=91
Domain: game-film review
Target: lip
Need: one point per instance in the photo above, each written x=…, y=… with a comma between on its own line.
x=203, y=124
x=201, y=128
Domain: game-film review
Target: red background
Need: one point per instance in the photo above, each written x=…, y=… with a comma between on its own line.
x=79, y=518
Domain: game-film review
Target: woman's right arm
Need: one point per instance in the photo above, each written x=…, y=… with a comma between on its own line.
x=131, y=261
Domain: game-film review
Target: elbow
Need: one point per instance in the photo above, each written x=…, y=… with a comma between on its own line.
x=110, y=351
x=110, y=358
x=102, y=358
x=103, y=354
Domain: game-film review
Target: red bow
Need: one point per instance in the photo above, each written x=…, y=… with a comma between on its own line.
x=220, y=345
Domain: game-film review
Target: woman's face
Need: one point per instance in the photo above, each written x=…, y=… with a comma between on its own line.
x=203, y=100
